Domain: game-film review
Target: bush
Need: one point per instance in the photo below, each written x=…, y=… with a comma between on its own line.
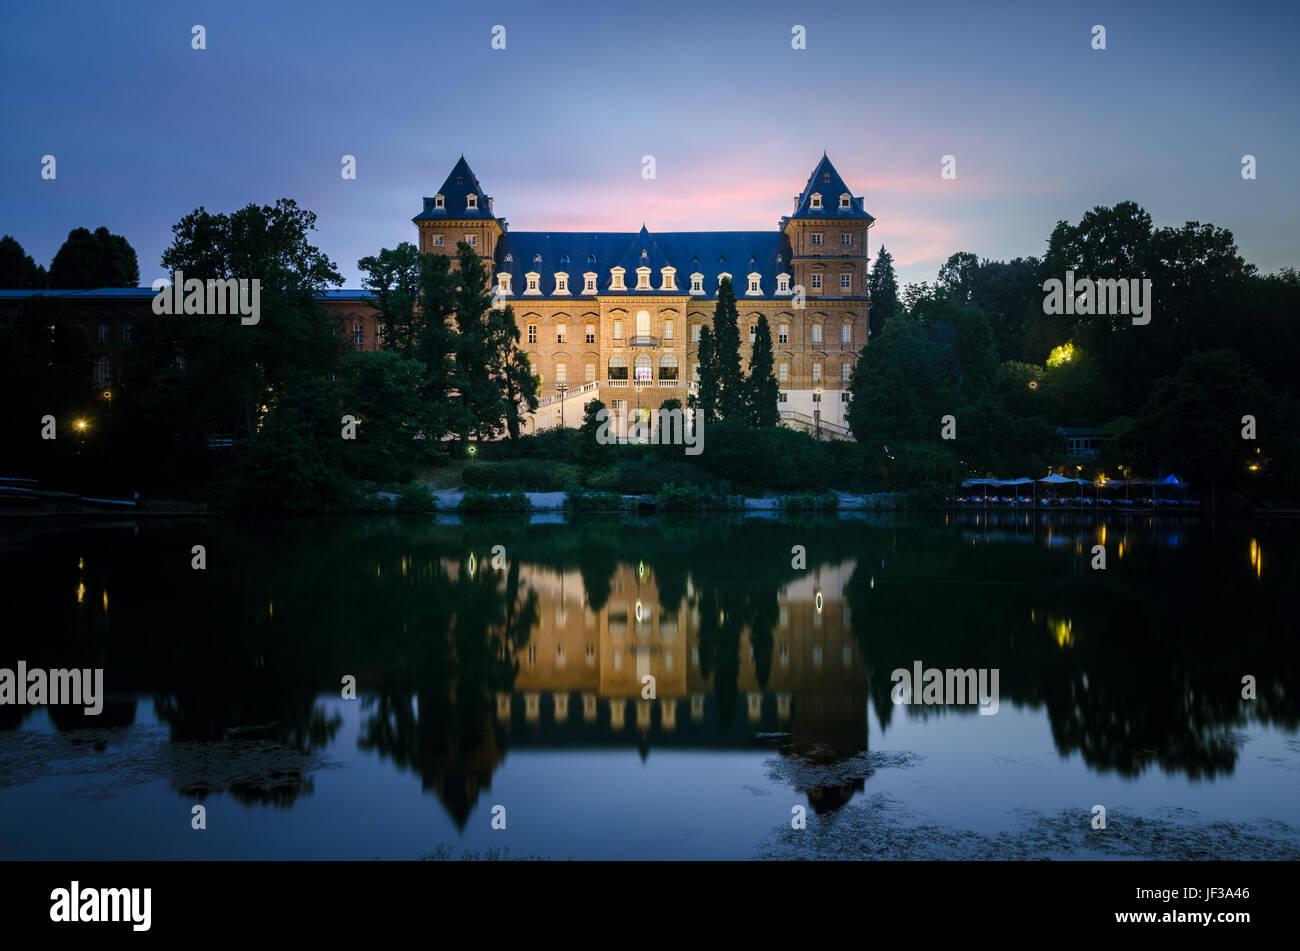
x=609, y=479
x=529, y=475
x=594, y=502
x=686, y=496
x=810, y=502
x=369, y=504
x=475, y=500
x=415, y=497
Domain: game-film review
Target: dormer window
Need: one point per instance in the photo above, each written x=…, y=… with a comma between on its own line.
x=460, y=180
x=845, y=201
x=644, y=255
x=471, y=203
x=616, y=279
x=537, y=259
x=503, y=282
x=589, y=283
x=561, y=282
x=697, y=283
x=510, y=258
x=669, y=282
x=755, y=281
x=722, y=276
x=643, y=277
x=533, y=283
x=783, y=283
x=816, y=201
x=564, y=258
x=826, y=176
x=439, y=202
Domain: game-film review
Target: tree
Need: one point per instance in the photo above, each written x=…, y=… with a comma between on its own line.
x=17, y=269
x=94, y=260
x=382, y=390
x=707, y=401
x=882, y=288
x=491, y=374
x=395, y=277
x=240, y=371
x=761, y=384
x=726, y=354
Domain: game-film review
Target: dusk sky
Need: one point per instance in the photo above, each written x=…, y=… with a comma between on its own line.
x=144, y=129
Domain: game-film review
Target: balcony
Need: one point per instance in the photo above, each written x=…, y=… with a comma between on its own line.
x=643, y=340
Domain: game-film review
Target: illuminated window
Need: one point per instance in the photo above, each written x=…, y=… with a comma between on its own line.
x=783, y=372
x=669, y=282
x=643, y=279
x=503, y=282
x=616, y=279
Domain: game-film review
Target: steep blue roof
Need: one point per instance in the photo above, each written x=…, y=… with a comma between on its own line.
x=710, y=253
x=825, y=181
x=460, y=184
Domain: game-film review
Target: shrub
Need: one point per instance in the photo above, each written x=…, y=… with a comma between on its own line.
x=810, y=502
x=686, y=496
x=594, y=502
x=415, y=497
x=475, y=500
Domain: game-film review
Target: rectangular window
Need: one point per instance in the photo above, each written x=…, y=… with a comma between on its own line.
x=561, y=372
x=844, y=396
x=560, y=331
x=697, y=285
x=783, y=372
x=846, y=372
x=817, y=238
x=817, y=280
x=846, y=282
x=816, y=333
x=783, y=334
x=783, y=397
x=591, y=373
x=590, y=286
x=437, y=240
x=617, y=405
x=358, y=335
x=591, y=333
x=618, y=330
x=103, y=332
x=532, y=333
x=128, y=332
x=846, y=239
x=695, y=333
x=817, y=372
x=753, y=334
x=668, y=330
x=846, y=333
x=561, y=285
x=471, y=240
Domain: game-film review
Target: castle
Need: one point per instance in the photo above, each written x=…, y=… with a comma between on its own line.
x=617, y=315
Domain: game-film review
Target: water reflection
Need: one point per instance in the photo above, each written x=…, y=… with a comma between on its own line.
x=461, y=655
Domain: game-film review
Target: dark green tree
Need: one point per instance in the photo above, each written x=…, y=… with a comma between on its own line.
x=89, y=260
x=882, y=288
x=761, y=383
x=726, y=354
x=17, y=269
x=394, y=276
x=707, y=400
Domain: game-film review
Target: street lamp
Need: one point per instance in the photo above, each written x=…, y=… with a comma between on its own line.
x=562, y=387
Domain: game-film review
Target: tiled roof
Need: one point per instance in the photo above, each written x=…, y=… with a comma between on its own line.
x=710, y=253
x=460, y=184
x=827, y=183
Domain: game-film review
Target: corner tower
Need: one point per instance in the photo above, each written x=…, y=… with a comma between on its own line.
x=460, y=211
x=828, y=237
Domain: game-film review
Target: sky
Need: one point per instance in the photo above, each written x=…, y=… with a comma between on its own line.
x=1042, y=127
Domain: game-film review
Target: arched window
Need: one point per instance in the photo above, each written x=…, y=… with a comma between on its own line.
x=668, y=367
x=643, y=368
x=618, y=367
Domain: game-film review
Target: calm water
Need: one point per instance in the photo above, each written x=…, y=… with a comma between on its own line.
x=521, y=686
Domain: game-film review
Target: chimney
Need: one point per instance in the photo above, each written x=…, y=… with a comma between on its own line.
x=796, y=202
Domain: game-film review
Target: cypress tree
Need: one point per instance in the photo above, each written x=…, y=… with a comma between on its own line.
x=708, y=398
x=726, y=355
x=882, y=288
x=761, y=383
